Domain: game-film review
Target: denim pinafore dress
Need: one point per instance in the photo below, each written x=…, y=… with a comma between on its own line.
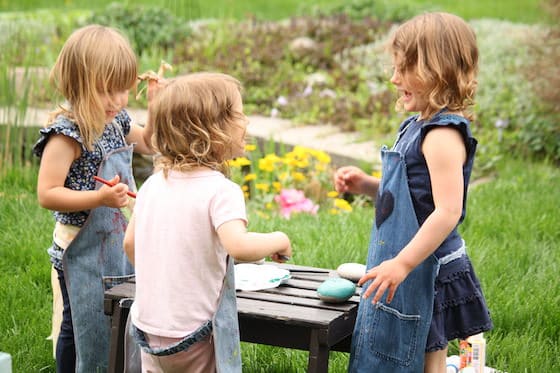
x=93, y=262
x=392, y=337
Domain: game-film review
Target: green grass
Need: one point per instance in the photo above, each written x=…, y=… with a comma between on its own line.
x=511, y=231
x=526, y=11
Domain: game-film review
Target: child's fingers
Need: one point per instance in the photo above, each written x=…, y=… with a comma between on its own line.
x=115, y=180
x=380, y=291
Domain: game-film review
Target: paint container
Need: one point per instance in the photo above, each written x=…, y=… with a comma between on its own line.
x=5, y=363
x=478, y=352
x=452, y=364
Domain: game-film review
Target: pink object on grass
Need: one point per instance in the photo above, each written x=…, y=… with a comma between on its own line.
x=293, y=201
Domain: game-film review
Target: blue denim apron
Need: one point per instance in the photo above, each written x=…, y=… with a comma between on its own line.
x=392, y=337
x=224, y=328
x=94, y=261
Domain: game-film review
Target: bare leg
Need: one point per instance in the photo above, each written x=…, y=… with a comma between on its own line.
x=434, y=362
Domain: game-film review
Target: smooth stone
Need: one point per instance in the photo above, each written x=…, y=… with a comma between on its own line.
x=336, y=290
x=351, y=271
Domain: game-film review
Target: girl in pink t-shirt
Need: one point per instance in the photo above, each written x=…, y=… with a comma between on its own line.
x=189, y=222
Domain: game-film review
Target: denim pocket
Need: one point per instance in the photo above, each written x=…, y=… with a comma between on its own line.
x=394, y=335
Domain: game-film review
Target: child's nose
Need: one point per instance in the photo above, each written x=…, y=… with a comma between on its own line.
x=395, y=77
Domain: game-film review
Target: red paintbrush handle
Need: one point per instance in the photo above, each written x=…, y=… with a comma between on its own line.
x=107, y=182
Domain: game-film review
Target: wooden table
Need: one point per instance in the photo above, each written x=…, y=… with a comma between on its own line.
x=290, y=316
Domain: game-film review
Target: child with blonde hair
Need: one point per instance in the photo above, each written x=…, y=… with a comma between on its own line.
x=188, y=226
x=420, y=290
x=89, y=135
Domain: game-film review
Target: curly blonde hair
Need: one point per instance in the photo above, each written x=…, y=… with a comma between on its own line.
x=440, y=48
x=94, y=60
x=192, y=119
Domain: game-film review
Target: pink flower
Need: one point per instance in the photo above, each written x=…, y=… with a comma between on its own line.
x=293, y=200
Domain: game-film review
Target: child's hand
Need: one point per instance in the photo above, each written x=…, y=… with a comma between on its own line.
x=386, y=276
x=154, y=85
x=349, y=179
x=155, y=80
x=114, y=196
x=283, y=256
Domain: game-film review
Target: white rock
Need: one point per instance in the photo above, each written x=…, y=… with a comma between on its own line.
x=351, y=271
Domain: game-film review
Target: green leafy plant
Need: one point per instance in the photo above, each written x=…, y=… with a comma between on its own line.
x=146, y=26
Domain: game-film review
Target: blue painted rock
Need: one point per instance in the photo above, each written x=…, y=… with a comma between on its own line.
x=336, y=290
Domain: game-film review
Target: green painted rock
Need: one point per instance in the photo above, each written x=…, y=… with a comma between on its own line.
x=336, y=290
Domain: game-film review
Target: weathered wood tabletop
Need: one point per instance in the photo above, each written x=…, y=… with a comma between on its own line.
x=290, y=316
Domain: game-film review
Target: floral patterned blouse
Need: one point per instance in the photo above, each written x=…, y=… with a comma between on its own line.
x=82, y=170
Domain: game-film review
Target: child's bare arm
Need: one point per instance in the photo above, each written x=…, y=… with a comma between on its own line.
x=252, y=246
x=56, y=160
x=128, y=242
x=351, y=179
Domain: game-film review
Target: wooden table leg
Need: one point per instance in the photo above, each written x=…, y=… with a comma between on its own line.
x=318, y=352
x=118, y=329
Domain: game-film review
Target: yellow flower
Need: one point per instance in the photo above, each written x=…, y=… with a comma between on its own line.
x=268, y=163
x=322, y=157
x=250, y=147
x=244, y=188
x=332, y=194
x=250, y=177
x=239, y=162
x=277, y=186
x=290, y=162
x=302, y=163
x=342, y=204
x=376, y=174
x=263, y=187
x=334, y=211
x=298, y=176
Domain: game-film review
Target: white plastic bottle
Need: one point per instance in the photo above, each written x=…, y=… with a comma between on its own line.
x=5, y=363
x=478, y=345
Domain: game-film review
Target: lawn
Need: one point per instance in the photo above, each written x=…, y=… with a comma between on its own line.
x=527, y=11
x=511, y=231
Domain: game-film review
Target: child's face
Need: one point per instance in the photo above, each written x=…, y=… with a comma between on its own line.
x=239, y=130
x=113, y=103
x=411, y=90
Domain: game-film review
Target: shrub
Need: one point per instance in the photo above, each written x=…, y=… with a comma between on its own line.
x=146, y=27
x=261, y=55
x=540, y=133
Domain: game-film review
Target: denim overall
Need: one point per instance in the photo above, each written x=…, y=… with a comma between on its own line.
x=224, y=327
x=392, y=337
x=93, y=262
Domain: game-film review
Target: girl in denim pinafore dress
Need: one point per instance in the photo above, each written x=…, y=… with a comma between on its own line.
x=90, y=136
x=420, y=290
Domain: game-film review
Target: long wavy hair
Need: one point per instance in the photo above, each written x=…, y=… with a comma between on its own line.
x=192, y=118
x=440, y=48
x=94, y=60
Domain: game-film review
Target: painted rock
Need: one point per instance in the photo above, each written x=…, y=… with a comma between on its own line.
x=351, y=271
x=336, y=290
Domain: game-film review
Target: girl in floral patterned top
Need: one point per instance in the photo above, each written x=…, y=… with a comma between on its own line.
x=94, y=72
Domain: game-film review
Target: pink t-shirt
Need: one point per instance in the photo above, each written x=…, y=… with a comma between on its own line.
x=179, y=261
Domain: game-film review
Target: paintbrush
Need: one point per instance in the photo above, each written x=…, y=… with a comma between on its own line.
x=107, y=182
